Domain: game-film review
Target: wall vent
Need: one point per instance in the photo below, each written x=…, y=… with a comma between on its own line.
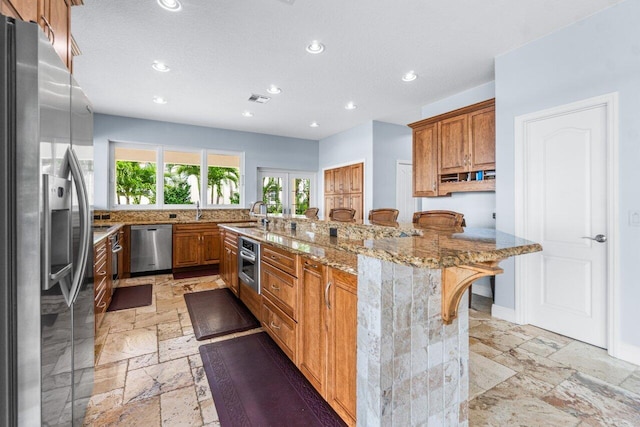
x=260, y=99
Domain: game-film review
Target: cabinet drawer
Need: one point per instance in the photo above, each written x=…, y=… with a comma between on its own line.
x=281, y=289
x=190, y=228
x=280, y=327
x=284, y=260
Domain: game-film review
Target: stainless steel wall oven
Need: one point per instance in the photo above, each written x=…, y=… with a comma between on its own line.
x=249, y=263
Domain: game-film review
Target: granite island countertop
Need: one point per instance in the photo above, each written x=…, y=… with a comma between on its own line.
x=431, y=249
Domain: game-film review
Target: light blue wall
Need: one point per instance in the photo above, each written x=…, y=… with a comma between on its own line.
x=390, y=144
x=351, y=146
x=264, y=151
x=477, y=208
x=593, y=57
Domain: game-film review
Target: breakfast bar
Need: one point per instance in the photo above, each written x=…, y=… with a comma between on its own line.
x=412, y=330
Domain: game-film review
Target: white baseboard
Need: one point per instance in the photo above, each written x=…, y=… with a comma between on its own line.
x=504, y=313
x=628, y=353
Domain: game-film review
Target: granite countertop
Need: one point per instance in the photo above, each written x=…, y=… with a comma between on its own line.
x=430, y=250
x=312, y=245
x=105, y=223
x=101, y=231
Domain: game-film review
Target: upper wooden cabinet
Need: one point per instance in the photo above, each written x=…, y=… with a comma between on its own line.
x=455, y=151
x=53, y=16
x=355, y=178
x=55, y=20
x=425, y=161
x=25, y=10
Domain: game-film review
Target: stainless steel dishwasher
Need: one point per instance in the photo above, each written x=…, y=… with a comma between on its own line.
x=151, y=247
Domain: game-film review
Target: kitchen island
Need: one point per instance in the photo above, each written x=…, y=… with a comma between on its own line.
x=412, y=331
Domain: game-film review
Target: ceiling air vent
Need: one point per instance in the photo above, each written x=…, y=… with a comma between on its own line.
x=261, y=99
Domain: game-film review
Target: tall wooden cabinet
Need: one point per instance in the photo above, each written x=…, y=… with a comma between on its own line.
x=343, y=187
x=455, y=151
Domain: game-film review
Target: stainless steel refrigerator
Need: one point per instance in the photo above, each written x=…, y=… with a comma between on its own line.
x=46, y=266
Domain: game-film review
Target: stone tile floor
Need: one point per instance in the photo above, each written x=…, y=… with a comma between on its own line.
x=149, y=372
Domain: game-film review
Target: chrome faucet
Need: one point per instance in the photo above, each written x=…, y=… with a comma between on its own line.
x=198, y=211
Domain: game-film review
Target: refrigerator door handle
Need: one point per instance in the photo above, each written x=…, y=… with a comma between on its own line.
x=85, y=224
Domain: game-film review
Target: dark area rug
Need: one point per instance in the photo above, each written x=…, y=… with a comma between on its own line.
x=254, y=383
x=212, y=271
x=218, y=312
x=131, y=297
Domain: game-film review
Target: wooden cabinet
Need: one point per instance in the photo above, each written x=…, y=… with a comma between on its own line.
x=453, y=145
x=343, y=188
x=25, y=10
x=455, y=151
x=482, y=139
x=342, y=328
x=102, y=279
x=355, y=178
x=279, y=284
x=55, y=20
x=229, y=268
x=310, y=311
x=425, y=161
x=196, y=245
x=53, y=16
x=312, y=330
x=329, y=181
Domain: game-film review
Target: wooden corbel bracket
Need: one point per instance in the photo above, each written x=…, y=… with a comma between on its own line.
x=456, y=280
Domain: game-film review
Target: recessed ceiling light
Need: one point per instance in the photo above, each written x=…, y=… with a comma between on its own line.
x=314, y=124
x=171, y=5
x=274, y=89
x=350, y=106
x=315, y=47
x=159, y=100
x=247, y=114
x=160, y=66
x=410, y=76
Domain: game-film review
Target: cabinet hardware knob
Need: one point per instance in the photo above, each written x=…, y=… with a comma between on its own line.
x=274, y=326
x=275, y=288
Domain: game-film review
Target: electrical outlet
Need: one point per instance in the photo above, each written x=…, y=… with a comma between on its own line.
x=634, y=218
x=493, y=215
x=106, y=216
x=172, y=216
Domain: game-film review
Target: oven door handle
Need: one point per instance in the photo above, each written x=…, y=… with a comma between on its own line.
x=247, y=255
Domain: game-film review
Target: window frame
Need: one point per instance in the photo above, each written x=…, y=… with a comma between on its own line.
x=159, y=151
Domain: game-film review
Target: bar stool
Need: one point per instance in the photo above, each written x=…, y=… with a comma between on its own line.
x=342, y=214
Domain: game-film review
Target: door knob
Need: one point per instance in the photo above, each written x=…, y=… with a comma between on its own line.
x=600, y=238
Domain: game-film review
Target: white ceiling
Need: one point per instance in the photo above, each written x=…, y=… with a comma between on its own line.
x=222, y=51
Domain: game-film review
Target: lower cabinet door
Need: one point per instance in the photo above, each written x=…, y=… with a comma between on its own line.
x=341, y=369
x=186, y=249
x=210, y=247
x=311, y=325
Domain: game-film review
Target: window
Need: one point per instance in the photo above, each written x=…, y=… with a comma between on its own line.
x=135, y=176
x=223, y=179
x=181, y=178
x=138, y=182
x=286, y=192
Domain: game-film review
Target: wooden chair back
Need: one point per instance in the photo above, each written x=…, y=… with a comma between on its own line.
x=383, y=216
x=440, y=220
x=342, y=214
x=311, y=213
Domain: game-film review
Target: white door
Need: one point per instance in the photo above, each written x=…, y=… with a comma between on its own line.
x=405, y=202
x=565, y=208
